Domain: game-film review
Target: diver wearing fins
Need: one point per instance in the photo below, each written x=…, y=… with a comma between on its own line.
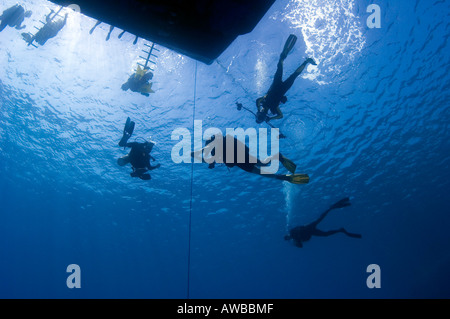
x=251, y=164
x=276, y=94
x=139, y=156
x=304, y=233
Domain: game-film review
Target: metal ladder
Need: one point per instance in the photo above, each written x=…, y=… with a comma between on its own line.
x=149, y=56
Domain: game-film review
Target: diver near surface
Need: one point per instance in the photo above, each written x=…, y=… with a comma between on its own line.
x=14, y=17
x=139, y=82
x=304, y=233
x=250, y=163
x=139, y=156
x=49, y=30
x=276, y=94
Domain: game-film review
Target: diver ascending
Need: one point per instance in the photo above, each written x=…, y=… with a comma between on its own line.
x=304, y=233
x=139, y=156
x=14, y=17
x=276, y=94
x=139, y=82
x=249, y=163
x=50, y=29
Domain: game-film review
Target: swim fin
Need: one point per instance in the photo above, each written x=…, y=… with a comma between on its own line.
x=127, y=132
x=342, y=203
x=147, y=88
x=129, y=127
x=288, y=46
x=298, y=178
x=288, y=164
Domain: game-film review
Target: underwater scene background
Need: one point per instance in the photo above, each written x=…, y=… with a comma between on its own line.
x=370, y=121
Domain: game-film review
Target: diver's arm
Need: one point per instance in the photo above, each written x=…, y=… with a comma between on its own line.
x=149, y=166
x=47, y=18
x=258, y=103
x=276, y=117
x=298, y=244
x=131, y=145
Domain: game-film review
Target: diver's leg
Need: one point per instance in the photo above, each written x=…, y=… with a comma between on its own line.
x=111, y=28
x=150, y=168
x=350, y=234
x=286, y=162
x=257, y=170
x=317, y=232
x=121, y=34
x=321, y=233
x=320, y=218
x=135, y=40
x=93, y=28
x=269, y=159
x=3, y=25
x=278, y=78
x=124, y=160
x=290, y=80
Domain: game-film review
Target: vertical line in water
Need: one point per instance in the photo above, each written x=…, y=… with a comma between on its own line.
x=192, y=187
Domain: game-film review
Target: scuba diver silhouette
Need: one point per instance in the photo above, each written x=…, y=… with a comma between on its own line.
x=304, y=233
x=14, y=17
x=139, y=156
x=248, y=163
x=276, y=94
x=139, y=82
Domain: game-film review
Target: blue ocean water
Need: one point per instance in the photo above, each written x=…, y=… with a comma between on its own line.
x=371, y=122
